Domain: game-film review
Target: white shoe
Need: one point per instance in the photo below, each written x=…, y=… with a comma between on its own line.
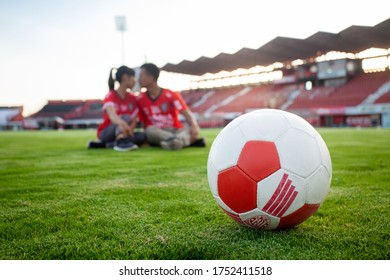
x=172, y=144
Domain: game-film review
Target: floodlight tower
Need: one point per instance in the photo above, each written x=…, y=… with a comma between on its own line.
x=121, y=26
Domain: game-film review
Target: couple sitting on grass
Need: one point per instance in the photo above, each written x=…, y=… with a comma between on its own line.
x=157, y=108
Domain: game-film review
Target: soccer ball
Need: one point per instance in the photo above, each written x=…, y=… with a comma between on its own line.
x=269, y=169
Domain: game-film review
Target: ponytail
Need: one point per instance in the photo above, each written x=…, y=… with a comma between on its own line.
x=111, y=81
x=118, y=75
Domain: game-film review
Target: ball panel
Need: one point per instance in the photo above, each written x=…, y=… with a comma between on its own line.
x=237, y=189
x=259, y=159
x=298, y=152
x=317, y=186
x=223, y=205
x=212, y=175
x=266, y=125
x=300, y=124
x=227, y=147
x=259, y=220
x=281, y=193
x=325, y=156
x=299, y=216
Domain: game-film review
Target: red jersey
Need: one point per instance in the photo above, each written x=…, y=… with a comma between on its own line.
x=163, y=111
x=123, y=106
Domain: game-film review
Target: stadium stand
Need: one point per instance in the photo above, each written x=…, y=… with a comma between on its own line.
x=214, y=98
x=11, y=118
x=263, y=96
x=357, y=90
x=215, y=107
x=352, y=93
x=69, y=114
x=88, y=116
x=385, y=98
x=58, y=108
x=192, y=96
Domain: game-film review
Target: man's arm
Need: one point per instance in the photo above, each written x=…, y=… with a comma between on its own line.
x=194, y=127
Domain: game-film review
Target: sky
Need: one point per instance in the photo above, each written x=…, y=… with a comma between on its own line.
x=55, y=49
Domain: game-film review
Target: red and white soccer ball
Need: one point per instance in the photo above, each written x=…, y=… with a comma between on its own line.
x=269, y=169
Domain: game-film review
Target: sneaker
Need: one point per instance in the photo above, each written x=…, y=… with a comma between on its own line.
x=100, y=145
x=95, y=145
x=199, y=143
x=124, y=144
x=110, y=145
x=172, y=144
x=177, y=144
x=166, y=144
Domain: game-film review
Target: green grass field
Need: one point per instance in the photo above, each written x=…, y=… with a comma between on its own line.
x=59, y=200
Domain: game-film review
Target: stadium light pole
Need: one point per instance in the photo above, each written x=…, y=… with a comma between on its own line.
x=121, y=26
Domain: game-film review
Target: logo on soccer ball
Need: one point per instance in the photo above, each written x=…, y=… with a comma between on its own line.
x=269, y=169
x=258, y=222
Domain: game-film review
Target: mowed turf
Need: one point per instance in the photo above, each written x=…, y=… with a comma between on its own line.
x=59, y=200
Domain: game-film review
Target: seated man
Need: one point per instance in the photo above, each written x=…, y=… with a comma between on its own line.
x=159, y=111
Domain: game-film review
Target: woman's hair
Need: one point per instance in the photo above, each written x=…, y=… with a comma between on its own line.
x=118, y=75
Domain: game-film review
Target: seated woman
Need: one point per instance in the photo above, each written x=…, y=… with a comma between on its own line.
x=120, y=113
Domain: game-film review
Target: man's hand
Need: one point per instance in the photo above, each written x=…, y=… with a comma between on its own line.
x=194, y=131
x=194, y=127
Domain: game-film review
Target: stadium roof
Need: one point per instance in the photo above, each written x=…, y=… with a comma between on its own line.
x=353, y=39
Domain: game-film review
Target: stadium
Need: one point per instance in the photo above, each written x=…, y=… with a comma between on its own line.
x=343, y=83
x=63, y=201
